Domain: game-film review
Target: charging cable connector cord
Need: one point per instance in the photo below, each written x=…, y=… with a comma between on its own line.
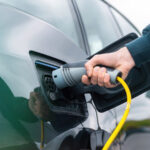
x=125, y=115
x=42, y=135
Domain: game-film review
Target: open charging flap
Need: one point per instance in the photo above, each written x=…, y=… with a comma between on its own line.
x=138, y=80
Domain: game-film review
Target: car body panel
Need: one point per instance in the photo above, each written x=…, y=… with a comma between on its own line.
x=21, y=33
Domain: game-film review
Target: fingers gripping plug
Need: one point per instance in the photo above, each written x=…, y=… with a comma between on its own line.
x=71, y=74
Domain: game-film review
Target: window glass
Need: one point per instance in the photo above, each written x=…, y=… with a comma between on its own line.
x=126, y=27
x=99, y=25
x=55, y=12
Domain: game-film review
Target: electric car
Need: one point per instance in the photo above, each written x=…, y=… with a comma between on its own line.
x=37, y=37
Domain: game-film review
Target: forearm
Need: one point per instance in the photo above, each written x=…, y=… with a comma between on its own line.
x=140, y=48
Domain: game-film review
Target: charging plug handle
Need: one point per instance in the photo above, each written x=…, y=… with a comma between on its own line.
x=71, y=74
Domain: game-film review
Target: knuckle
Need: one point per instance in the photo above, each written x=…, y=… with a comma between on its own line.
x=96, y=57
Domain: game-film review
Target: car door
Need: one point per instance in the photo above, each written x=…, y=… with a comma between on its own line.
x=32, y=34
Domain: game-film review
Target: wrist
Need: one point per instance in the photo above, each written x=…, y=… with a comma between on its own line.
x=125, y=58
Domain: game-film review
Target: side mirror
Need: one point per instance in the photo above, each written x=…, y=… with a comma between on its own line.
x=138, y=80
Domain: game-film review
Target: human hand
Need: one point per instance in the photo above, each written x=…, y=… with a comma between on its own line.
x=120, y=60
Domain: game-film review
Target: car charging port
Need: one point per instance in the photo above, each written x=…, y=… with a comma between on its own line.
x=49, y=86
x=64, y=101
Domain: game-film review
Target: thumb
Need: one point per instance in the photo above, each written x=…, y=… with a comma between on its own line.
x=124, y=71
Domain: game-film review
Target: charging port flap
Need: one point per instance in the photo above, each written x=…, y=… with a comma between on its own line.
x=138, y=80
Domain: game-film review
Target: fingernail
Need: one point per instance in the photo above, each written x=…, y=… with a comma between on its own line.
x=103, y=69
x=96, y=69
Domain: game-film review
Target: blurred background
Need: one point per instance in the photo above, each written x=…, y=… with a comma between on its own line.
x=138, y=11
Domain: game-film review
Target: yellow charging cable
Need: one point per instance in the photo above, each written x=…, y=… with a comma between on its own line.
x=42, y=135
x=119, y=126
x=123, y=119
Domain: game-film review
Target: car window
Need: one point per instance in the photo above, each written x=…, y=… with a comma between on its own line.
x=100, y=27
x=55, y=12
x=125, y=26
